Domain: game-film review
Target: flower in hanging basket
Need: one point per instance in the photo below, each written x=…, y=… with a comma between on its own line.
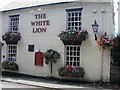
x=104, y=42
x=73, y=36
x=51, y=56
x=11, y=36
x=70, y=71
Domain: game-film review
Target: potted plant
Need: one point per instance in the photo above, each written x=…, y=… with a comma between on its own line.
x=51, y=56
x=104, y=42
x=11, y=37
x=73, y=37
x=69, y=71
x=10, y=65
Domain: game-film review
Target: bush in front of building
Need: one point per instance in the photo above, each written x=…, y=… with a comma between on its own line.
x=10, y=65
x=11, y=36
x=51, y=56
x=71, y=71
x=73, y=36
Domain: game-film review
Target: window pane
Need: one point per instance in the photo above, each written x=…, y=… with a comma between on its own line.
x=67, y=48
x=71, y=58
x=67, y=58
x=69, y=19
x=72, y=19
x=78, y=53
x=78, y=59
x=70, y=63
x=78, y=64
x=76, y=18
x=78, y=48
x=76, y=24
x=67, y=53
x=75, y=53
x=69, y=14
x=79, y=13
x=72, y=14
x=74, y=64
x=76, y=14
x=67, y=63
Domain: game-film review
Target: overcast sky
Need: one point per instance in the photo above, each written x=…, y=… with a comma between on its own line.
x=5, y=2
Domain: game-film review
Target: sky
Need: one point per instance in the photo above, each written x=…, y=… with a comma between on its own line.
x=5, y=2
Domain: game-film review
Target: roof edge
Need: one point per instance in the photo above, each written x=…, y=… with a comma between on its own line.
x=37, y=6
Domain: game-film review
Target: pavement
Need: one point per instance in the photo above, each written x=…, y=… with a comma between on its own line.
x=47, y=83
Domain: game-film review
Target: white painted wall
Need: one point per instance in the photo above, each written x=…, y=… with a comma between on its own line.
x=91, y=56
x=0, y=25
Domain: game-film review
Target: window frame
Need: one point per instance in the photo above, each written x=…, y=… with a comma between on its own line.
x=74, y=20
x=65, y=54
x=12, y=52
x=14, y=23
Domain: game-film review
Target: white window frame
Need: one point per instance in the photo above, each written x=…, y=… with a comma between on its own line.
x=74, y=20
x=12, y=52
x=73, y=54
x=14, y=23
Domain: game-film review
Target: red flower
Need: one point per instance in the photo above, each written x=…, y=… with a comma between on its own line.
x=8, y=34
x=108, y=84
x=100, y=43
x=48, y=56
x=68, y=67
x=70, y=39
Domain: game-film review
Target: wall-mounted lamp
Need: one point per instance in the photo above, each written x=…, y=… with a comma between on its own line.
x=95, y=29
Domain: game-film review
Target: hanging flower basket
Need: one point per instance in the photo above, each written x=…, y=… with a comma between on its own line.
x=11, y=37
x=69, y=71
x=73, y=37
x=105, y=43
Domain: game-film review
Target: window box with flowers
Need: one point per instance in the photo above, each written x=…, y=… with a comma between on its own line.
x=105, y=43
x=9, y=66
x=73, y=37
x=11, y=37
x=68, y=71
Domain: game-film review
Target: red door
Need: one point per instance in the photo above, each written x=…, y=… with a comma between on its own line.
x=39, y=59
